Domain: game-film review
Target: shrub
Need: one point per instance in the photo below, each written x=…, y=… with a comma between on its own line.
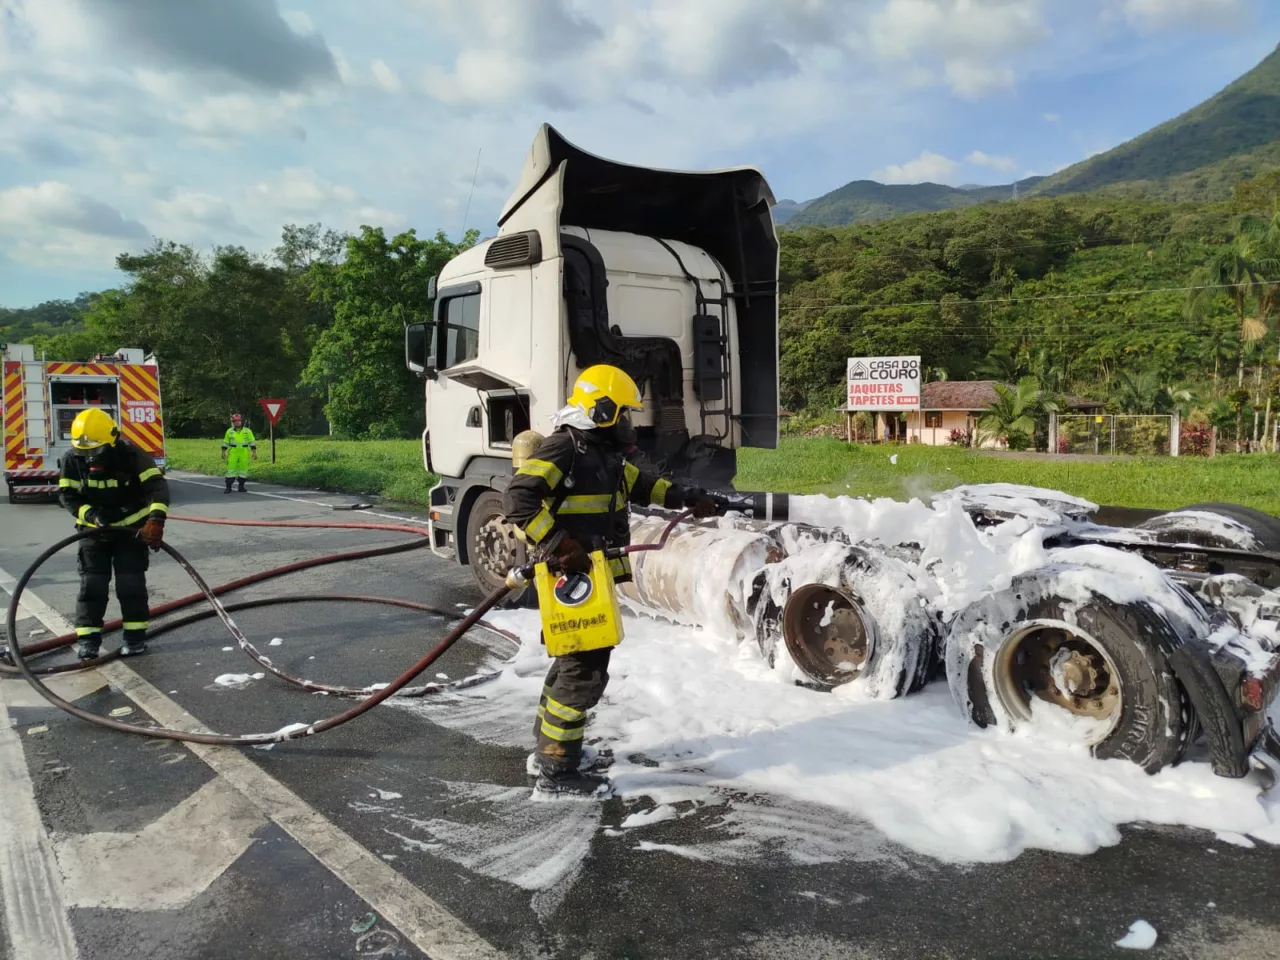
x=960, y=438
x=1195, y=440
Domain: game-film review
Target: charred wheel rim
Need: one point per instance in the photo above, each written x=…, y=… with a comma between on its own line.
x=829, y=634
x=1061, y=664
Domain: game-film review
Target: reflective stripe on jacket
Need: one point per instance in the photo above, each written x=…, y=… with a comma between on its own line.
x=124, y=485
x=593, y=483
x=239, y=438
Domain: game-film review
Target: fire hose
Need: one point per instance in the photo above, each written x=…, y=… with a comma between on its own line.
x=372, y=695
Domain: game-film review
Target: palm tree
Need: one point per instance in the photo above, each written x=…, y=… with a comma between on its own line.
x=1000, y=364
x=1011, y=418
x=1143, y=393
x=1239, y=272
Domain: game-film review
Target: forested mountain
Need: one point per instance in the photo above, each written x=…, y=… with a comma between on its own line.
x=1199, y=155
x=864, y=201
x=1079, y=291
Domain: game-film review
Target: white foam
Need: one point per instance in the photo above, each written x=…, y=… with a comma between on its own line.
x=715, y=725
x=1141, y=936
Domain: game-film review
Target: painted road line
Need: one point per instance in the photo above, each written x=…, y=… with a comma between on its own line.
x=426, y=923
x=166, y=864
x=281, y=496
x=35, y=910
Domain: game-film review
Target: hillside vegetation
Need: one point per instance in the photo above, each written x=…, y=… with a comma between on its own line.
x=1087, y=294
x=1199, y=155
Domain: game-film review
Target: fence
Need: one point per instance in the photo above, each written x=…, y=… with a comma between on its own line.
x=1111, y=434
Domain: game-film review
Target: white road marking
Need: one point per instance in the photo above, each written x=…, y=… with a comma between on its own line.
x=423, y=921
x=280, y=496
x=70, y=686
x=35, y=910
x=166, y=864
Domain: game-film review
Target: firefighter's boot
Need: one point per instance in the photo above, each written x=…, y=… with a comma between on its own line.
x=228, y=490
x=87, y=648
x=556, y=783
x=135, y=643
x=241, y=489
x=593, y=761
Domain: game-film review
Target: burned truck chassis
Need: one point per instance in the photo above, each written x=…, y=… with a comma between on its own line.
x=830, y=631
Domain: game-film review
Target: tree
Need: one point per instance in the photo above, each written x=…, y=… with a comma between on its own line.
x=1011, y=418
x=227, y=329
x=379, y=286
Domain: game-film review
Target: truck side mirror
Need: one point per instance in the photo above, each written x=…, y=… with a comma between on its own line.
x=431, y=289
x=417, y=350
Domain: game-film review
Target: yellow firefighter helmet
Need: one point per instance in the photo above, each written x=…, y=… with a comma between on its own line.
x=602, y=392
x=93, y=428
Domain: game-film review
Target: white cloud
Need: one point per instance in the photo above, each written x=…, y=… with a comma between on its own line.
x=1165, y=14
x=929, y=167
x=562, y=53
x=980, y=159
x=385, y=77
x=52, y=224
x=56, y=205
x=188, y=209
x=299, y=192
x=973, y=39
x=973, y=80
x=1052, y=118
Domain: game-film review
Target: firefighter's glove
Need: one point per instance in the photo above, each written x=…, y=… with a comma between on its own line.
x=704, y=507
x=153, y=532
x=572, y=558
x=93, y=517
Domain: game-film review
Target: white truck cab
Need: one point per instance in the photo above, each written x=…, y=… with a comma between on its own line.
x=671, y=276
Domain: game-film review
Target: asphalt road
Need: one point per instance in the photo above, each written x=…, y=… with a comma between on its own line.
x=409, y=832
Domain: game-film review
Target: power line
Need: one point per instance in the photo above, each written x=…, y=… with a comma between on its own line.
x=820, y=303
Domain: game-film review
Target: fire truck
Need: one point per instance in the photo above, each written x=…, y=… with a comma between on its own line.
x=42, y=398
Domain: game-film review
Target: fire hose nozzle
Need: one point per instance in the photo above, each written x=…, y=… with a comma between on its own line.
x=519, y=577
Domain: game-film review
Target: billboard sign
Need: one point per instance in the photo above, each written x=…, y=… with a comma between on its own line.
x=884, y=383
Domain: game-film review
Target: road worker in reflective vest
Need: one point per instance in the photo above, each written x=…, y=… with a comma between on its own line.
x=237, y=446
x=106, y=481
x=569, y=498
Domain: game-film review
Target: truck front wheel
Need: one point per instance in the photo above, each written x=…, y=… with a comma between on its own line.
x=492, y=545
x=1051, y=641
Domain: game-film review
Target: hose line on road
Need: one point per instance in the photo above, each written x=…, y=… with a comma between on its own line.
x=371, y=696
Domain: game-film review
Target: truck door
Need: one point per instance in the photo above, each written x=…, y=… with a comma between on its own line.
x=454, y=410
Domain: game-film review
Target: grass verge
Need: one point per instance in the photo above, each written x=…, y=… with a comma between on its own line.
x=392, y=469
x=835, y=467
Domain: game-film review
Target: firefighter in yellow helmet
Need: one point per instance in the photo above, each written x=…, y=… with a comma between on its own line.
x=570, y=498
x=106, y=481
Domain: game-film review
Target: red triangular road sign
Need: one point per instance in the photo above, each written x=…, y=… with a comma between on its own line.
x=273, y=409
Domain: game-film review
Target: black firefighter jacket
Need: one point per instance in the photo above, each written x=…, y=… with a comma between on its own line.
x=575, y=485
x=124, y=484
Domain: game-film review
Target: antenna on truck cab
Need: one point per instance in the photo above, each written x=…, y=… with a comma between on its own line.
x=467, y=212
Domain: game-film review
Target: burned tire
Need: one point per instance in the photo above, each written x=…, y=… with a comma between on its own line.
x=860, y=620
x=492, y=546
x=1238, y=527
x=1053, y=636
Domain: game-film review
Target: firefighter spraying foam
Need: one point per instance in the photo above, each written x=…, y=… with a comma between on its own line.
x=237, y=445
x=569, y=499
x=106, y=481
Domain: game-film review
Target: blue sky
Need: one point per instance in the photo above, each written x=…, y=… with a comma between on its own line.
x=218, y=121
